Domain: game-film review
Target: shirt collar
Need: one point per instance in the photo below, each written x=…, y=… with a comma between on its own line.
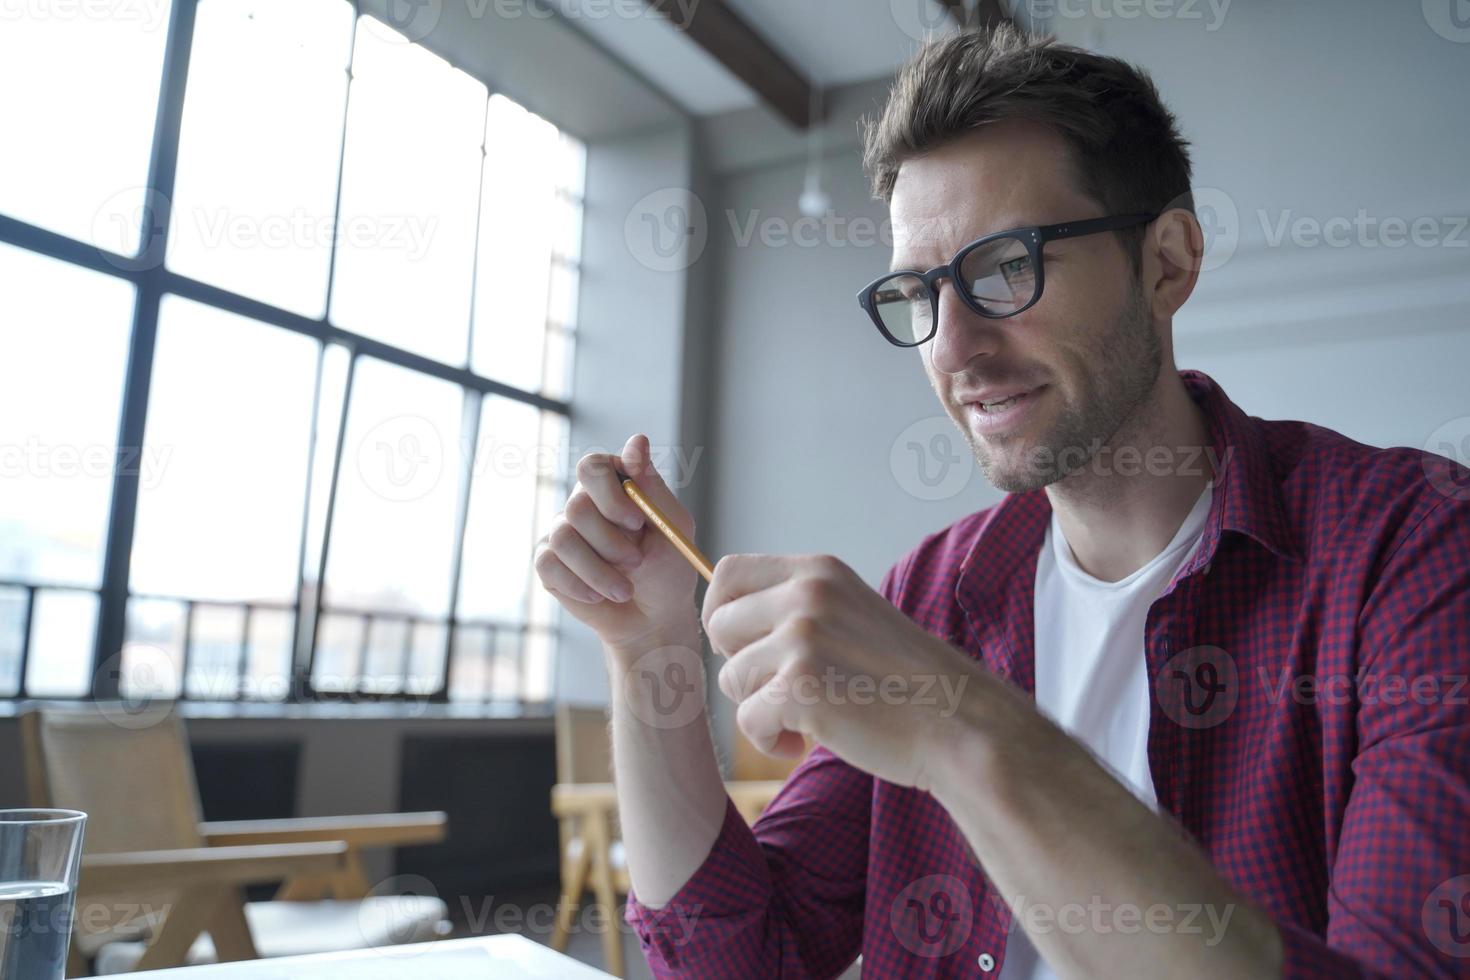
x=1246, y=500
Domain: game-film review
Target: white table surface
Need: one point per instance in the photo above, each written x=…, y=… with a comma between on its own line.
x=484, y=958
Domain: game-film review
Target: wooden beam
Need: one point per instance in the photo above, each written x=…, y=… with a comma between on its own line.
x=732, y=42
x=989, y=13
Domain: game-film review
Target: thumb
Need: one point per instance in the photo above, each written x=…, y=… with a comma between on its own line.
x=638, y=463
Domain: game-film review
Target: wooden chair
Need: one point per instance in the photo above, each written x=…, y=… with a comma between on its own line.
x=160, y=888
x=585, y=804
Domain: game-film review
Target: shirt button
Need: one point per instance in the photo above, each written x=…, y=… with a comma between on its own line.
x=987, y=962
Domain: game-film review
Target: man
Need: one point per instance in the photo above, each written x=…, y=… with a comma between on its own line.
x=1164, y=742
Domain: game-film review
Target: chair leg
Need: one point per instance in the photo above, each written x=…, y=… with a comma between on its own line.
x=231, y=931
x=599, y=843
x=574, y=883
x=191, y=913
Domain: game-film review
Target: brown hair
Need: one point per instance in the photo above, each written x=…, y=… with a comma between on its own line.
x=1126, y=150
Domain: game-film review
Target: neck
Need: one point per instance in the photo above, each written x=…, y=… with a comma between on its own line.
x=1121, y=510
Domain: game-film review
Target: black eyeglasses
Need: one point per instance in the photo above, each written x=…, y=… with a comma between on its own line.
x=996, y=276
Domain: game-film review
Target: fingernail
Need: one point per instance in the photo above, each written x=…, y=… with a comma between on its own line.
x=621, y=594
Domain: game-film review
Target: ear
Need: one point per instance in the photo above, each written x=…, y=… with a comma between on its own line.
x=1172, y=252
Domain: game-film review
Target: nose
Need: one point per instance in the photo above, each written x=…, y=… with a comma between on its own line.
x=961, y=334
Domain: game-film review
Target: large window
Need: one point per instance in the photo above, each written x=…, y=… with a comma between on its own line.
x=287, y=311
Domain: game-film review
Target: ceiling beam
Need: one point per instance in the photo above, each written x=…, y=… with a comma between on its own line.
x=725, y=36
x=989, y=13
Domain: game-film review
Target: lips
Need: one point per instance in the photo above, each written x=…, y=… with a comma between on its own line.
x=999, y=411
x=991, y=396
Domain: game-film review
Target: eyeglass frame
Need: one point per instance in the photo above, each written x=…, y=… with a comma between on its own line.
x=1033, y=237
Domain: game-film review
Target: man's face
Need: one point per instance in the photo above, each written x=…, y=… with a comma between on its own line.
x=1086, y=355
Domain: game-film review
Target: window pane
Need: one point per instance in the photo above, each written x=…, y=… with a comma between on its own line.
x=426, y=664
x=505, y=667
x=63, y=353
x=499, y=541
x=521, y=220
x=268, y=663
x=230, y=408
x=387, y=643
x=81, y=89
x=410, y=184
x=12, y=639
x=338, y=653
x=260, y=147
x=153, y=649
x=62, y=637
x=471, y=676
x=394, y=520
x=215, y=638
x=536, y=666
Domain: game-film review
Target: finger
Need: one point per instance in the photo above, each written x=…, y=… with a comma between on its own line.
x=738, y=575
x=766, y=719
x=637, y=461
x=605, y=537
x=559, y=580
x=736, y=624
x=598, y=475
x=745, y=674
x=587, y=565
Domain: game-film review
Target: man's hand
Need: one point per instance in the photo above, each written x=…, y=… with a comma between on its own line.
x=813, y=650
x=612, y=570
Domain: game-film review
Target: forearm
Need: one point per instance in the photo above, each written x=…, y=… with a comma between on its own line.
x=671, y=797
x=1102, y=885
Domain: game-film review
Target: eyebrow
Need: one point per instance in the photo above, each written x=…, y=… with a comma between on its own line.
x=895, y=267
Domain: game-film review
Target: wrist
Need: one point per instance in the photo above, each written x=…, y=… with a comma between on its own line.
x=976, y=751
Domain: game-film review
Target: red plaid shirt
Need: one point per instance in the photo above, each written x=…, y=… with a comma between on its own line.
x=1309, y=727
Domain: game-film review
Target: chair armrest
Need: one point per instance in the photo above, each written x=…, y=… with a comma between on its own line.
x=133, y=871
x=366, y=830
x=581, y=799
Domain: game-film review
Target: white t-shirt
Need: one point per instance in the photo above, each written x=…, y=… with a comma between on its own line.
x=1091, y=678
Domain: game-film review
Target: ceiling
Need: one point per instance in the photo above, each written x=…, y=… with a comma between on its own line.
x=828, y=42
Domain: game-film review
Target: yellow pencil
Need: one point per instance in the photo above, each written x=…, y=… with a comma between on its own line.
x=676, y=538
